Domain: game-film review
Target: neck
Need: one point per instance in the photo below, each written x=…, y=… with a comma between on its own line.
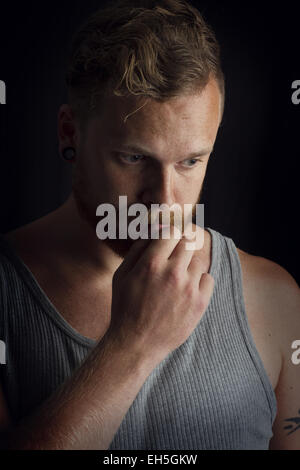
x=78, y=238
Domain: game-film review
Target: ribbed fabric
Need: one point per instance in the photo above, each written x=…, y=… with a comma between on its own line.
x=212, y=392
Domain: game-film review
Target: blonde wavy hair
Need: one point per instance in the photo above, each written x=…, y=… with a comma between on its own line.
x=153, y=49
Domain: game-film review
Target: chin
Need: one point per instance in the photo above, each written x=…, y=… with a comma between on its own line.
x=120, y=247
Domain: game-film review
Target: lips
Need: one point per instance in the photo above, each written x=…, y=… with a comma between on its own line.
x=156, y=226
x=162, y=219
x=157, y=218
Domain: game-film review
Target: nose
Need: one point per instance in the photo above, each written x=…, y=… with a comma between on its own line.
x=159, y=188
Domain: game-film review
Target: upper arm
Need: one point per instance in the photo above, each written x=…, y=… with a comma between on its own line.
x=274, y=294
x=286, y=302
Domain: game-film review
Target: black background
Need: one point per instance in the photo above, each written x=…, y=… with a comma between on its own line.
x=251, y=192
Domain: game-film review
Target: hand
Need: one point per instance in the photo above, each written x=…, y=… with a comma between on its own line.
x=160, y=292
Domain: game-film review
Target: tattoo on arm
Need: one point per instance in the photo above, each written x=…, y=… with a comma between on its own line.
x=296, y=424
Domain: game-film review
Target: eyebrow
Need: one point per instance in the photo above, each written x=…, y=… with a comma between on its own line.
x=145, y=152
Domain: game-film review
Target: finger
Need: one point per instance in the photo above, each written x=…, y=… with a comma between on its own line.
x=136, y=251
x=132, y=257
x=163, y=246
x=180, y=256
x=192, y=240
x=196, y=237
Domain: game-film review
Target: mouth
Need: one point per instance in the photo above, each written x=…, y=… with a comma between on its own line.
x=156, y=225
x=159, y=218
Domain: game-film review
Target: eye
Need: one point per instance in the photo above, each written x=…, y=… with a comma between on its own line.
x=194, y=162
x=132, y=159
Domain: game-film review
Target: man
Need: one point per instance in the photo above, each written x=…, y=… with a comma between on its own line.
x=126, y=344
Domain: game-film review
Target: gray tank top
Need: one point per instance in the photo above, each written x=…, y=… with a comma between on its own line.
x=212, y=392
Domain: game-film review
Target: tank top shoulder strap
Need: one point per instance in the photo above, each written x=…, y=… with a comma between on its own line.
x=216, y=248
x=242, y=320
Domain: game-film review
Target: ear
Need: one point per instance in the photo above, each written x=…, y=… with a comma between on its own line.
x=67, y=128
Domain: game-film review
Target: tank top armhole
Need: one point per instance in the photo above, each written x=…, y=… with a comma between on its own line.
x=40, y=296
x=236, y=273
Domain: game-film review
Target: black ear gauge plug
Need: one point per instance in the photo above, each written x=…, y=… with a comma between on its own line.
x=68, y=154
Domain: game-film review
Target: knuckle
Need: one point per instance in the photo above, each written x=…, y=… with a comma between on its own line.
x=189, y=290
x=201, y=303
x=151, y=265
x=174, y=275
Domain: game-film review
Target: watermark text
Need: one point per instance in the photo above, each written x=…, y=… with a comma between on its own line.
x=2, y=92
x=296, y=354
x=2, y=352
x=296, y=94
x=159, y=217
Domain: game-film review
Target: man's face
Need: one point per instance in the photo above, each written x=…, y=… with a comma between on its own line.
x=158, y=155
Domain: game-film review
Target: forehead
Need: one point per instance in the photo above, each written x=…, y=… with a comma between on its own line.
x=171, y=123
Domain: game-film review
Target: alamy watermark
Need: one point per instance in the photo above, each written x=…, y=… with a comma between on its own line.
x=160, y=216
x=296, y=354
x=2, y=352
x=296, y=94
x=2, y=92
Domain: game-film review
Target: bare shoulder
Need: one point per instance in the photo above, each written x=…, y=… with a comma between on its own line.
x=273, y=302
x=34, y=238
x=266, y=276
x=33, y=244
x=274, y=292
x=266, y=268
x=25, y=235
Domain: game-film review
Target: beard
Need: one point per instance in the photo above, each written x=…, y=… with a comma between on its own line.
x=87, y=212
